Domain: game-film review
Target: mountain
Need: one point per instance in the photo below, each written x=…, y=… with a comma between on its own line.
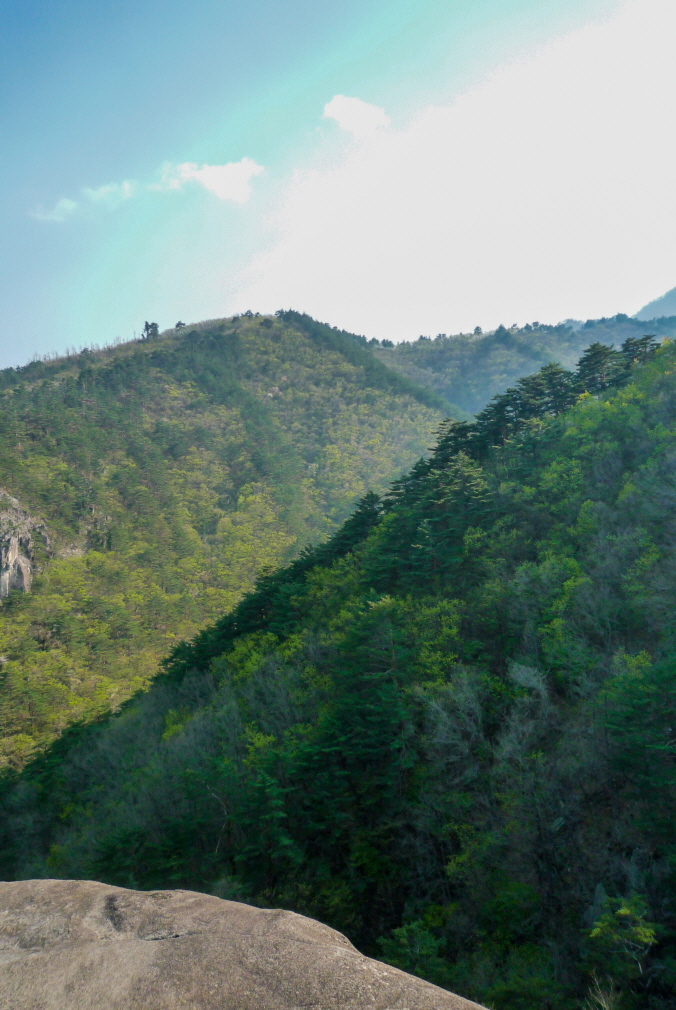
x=660, y=307
x=470, y=368
x=447, y=731
x=145, y=487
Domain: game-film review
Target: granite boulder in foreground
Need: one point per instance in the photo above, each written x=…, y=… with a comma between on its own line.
x=81, y=945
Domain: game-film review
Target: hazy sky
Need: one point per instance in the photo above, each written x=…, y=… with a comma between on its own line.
x=392, y=166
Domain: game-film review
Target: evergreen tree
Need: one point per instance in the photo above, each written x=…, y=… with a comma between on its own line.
x=636, y=350
x=598, y=368
x=150, y=331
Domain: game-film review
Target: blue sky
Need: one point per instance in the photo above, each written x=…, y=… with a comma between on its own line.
x=189, y=160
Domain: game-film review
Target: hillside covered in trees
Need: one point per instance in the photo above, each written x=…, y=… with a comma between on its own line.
x=448, y=731
x=470, y=368
x=148, y=485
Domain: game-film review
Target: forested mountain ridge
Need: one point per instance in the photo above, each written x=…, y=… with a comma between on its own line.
x=468, y=369
x=146, y=486
x=448, y=731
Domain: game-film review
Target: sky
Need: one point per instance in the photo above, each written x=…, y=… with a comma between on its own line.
x=394, y=167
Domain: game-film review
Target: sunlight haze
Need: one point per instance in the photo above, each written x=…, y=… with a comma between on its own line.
x=392, y=169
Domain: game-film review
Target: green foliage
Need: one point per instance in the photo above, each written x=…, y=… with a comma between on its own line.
x=169, y=473
x=446, y=731
x=622, y=936
x=415, y=949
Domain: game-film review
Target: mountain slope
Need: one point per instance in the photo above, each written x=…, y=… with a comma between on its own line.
x=147, y=486
x=448, y=731
x=469, y=368
x=659, y=307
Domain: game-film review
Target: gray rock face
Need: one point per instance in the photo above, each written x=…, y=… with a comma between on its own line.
x=81, y=945
x=17, y=535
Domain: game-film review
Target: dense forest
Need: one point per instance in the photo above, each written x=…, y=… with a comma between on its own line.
x=151, y=483
x=468, y=369
x=447, y=731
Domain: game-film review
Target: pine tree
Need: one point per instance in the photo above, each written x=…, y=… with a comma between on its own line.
x=598, y=368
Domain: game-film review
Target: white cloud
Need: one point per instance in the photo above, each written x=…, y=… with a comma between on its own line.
x=356, y=117
x=105, y=197
x=61, y=211
x=228, y=182
x=546, y=192
x=112, y=194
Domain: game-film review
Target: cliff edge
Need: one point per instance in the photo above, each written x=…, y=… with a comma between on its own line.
x=89, y=946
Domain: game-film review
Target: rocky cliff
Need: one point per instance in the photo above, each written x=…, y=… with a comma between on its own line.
x=89, y=946
x=18, y=534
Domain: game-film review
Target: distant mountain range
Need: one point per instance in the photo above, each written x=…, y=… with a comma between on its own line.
x=469, y=368
x=660, y=307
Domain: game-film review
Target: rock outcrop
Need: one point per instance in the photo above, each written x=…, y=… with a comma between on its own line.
x=81, y=945
x=18, y=530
